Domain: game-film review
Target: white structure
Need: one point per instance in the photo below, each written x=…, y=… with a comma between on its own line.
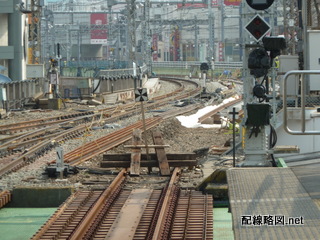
x=13, y=39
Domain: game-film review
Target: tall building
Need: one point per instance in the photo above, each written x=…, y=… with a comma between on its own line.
x=13, y=39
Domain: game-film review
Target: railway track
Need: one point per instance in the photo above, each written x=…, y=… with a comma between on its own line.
x=20, y=131
x=37, y=139
x=41, y=145
x=139, y=213
x=164, y=212
x=24, y=126
x=106, y=143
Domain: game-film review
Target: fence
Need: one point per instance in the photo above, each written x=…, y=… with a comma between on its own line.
x=123, y=72
x=188, y=64
x=14, y=95
x=192, y=68
x=107, y=68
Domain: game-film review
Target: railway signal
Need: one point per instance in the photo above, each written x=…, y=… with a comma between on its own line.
x=260, y=4
x=257, y=27
x=257, y=62
x=141, y=95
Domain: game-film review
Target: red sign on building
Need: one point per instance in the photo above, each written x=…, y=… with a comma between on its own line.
x=232, y=2
x=155, y=47
x=175, y=44
x=221, y=52
x=98, y=31
x=215, y=3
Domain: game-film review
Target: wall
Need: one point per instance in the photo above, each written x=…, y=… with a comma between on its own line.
x=306, y=143
x=17, y=93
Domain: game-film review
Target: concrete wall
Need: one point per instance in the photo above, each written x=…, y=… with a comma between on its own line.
x=17, y=92
x=87, y=51
x=306, y=143
x=152, y=86
x=110, y=85
x=75, y=87
x=39, y=197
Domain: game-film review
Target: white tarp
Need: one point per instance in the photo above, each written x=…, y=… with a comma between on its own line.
x=191, y=121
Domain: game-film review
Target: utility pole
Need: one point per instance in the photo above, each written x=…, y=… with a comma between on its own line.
x=290, y=25
x=79, y=54
x=69, y=30
x=71, y=11
x=46, y=43
x=35, y=31
x=211, y=48
x=110, y=26
x=131, y=6
x=222, y=29
x=148, y=39
x=196, y=32
x=118, y=39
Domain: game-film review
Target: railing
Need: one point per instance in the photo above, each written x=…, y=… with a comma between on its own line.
x=102, y=64
x=90, y=68
x=303, y=102
x=123, y=72
x=108, y=68
x=188, y=64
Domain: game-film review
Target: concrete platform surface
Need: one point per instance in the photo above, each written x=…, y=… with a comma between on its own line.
x=22, y=223
x=222, y=224
x=271, y=203
x=309, y=176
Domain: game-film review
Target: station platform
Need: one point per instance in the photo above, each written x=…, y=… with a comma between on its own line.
x=271, y=203
x=309, y=176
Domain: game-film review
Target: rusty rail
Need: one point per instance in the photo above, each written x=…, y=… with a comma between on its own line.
x=165, y=217
x=38, y=150
x=38, y=123
x=94, y=217
x=5, y=197
x=142, y=213
x=106, y=143
x=193, y=217
x=218, y=109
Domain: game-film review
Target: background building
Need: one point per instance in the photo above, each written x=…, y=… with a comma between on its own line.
x=13, y=40
x=164, y=30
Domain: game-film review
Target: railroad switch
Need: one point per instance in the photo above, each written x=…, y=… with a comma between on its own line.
x=53, y=170
x=60, y=168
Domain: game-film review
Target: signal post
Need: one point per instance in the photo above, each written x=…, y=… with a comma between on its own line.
x=259, y=51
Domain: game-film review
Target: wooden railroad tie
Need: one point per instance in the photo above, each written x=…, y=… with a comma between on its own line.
x=138, y=159
x=136, y=152
x=161, y=154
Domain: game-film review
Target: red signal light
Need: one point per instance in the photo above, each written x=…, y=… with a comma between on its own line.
x=257, y=21
x=257, y=34
x=257, y=27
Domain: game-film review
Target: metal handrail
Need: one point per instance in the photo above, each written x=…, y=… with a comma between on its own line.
x=301, y=73
x=187, y=64
x=119, y=72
